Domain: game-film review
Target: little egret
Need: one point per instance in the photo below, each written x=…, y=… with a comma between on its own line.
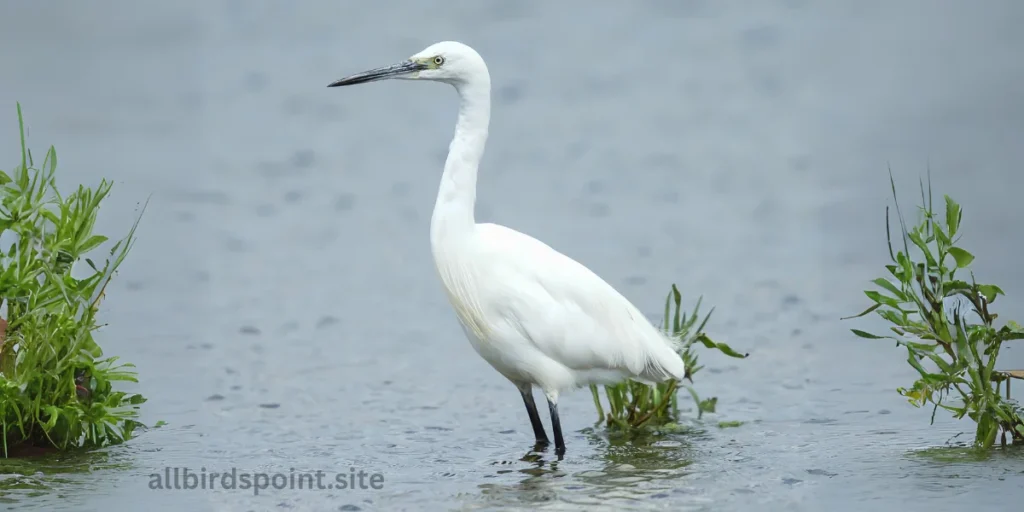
x=537, y=316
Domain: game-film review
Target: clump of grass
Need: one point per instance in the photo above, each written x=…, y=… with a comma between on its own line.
x=963, y=378
x=634, y=405
x=55, y=386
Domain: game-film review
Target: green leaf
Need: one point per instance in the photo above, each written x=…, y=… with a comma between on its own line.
x=868, y=335
x=708, y=405
x=23, y=179
x=668, y=300
x=696, y=399
x=953, y=215
x=693, y=318
x=725, y=349
x=895, y=317
x=943, y=239
x=950, y=287
x=990, y=291
x=91, y=243
x=677, y=299
x=50, y=161
x=862, y=313
x=54, y=414
x=50, y=216
x=908, y=269
x=962, y=257
x=915, y=237
x=4, y=178
x=1011, y=336
x=881, y=299
x=912, y=359
x=941, y=363
x=885, y=283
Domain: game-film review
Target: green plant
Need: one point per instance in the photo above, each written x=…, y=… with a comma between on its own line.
x=962, y=354
x=634, y=405
x=55, y=390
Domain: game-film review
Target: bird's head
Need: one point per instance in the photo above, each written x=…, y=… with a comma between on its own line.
x=448, y=61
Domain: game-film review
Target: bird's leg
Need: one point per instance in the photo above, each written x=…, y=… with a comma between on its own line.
x=556, y=425
x=531, y=410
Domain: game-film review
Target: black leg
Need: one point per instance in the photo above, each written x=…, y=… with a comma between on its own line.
x=531, y=409
x=556, y=425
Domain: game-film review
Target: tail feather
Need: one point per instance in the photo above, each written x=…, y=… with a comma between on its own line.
x=664, y=362
x=673, y=342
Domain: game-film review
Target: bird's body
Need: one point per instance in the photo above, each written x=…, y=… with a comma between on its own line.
x=537, y=316
x=541, y=318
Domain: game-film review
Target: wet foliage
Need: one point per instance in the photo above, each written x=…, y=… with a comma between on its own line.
x=635, y=405
x=56, y=387
x=946, y=323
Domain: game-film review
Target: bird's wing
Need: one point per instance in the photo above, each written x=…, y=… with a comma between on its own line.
x=567, y=311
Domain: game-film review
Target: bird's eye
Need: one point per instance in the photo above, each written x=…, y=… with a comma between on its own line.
x=438, y=60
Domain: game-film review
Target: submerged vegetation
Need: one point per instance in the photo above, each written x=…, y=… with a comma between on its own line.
x=55, y=386
x=929, y=306
x=634, y=405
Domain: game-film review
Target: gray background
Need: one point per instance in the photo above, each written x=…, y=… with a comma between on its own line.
x=739, y=149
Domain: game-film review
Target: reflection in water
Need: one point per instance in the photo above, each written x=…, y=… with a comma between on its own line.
x=964, y=454
x=57, y=473
x=623, y=469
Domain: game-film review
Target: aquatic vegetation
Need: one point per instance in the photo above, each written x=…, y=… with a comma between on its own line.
x=633, y=405
x=55, y=385
x=963, y=377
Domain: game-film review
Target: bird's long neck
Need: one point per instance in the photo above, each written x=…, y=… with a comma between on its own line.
x=456, y=199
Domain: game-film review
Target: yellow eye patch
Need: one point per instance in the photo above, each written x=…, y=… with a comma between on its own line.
x=431, y=62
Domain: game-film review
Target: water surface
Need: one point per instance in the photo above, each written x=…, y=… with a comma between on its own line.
x=281, y=303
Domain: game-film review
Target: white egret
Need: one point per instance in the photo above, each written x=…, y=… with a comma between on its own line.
x=537, y=316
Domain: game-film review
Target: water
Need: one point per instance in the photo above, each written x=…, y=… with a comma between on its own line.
x=281, y=304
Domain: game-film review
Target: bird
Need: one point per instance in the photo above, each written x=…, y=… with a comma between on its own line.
x=537, y=316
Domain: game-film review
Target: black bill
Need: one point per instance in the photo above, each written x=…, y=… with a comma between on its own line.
x=392, y=71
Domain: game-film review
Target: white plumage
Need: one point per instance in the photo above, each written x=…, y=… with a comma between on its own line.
x=537, y=316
